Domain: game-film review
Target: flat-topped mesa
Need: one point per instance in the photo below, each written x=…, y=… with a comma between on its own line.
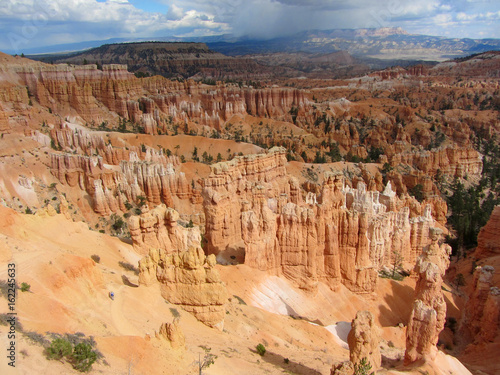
x=256, y=214
x=158, y=228
x=478, y=313
x=188, y=279
x=488, y=240
x=429, y=308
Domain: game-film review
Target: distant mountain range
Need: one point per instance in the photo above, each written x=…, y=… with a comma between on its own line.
x=384, y=44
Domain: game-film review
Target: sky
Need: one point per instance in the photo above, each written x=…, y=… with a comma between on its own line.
x=26, y=24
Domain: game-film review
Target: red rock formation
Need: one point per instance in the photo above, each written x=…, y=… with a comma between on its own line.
x=253, y=211
x=81, y=171
x=154, y=178
x=364, y=340
x=429, y=308
x=172, y=332
x=190, y=280
x=158, y=229
x=4, y=119
x=342, y=368
x=490, y=321
x=488, y=240
x=474, y=326
x=453, y=161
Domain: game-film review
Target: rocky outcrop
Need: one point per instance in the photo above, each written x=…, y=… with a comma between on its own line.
x=429, y=308
x=172, y=333
x=364, y=340
x=488, y=240
x=188, y=279
x=490, y=322
x=256, y=213
x=481, y=309
x=158, y=228
x=80, y=171
x=451, y=161
x=342, y=368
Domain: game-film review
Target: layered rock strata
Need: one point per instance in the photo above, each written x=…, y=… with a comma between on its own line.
x=100, y=95
x=188, y=279
x=429, y=308
x=156, y=179
x=258, y=214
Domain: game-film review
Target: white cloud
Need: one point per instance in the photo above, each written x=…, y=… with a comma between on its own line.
x=95, y=20
x=175, y=13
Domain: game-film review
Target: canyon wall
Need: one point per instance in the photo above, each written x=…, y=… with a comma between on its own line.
x=255, y=212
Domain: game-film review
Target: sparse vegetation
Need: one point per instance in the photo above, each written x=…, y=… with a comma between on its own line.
x=96, y=258
x=74, y=349
x=261, y=349
x=207, y=360
x=363, y=367
x=59, y=348
x=25, y=287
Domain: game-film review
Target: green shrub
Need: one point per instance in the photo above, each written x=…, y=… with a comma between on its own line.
x=261, y=349
x=118, y=224
x=76, y=350
x=59, y=348
x=83, y=357
x=363, y=367
x=25, y=287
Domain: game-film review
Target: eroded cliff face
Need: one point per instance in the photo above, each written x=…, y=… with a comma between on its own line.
x=158, y=228
x=429, y=308
x=138, y=174
x=488, y=240
x=255, y=212
x=188, y=279
x=104, y=96
x=475, y=325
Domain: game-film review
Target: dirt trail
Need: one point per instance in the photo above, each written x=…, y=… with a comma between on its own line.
x=121, y=323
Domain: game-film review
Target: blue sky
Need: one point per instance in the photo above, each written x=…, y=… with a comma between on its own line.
x=32, y=23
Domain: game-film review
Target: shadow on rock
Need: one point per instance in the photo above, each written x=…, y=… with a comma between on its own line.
x=127, y=282
x=287, y=364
